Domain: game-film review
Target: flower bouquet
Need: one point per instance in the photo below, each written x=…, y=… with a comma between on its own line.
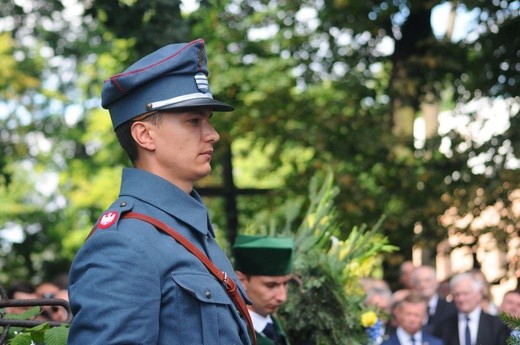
x=373, y=326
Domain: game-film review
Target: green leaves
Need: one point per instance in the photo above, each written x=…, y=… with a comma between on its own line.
x=35, y=334
x=315, y=93
x=56, y=335
x=325, y=303
x=514, y=324
x=41, y=334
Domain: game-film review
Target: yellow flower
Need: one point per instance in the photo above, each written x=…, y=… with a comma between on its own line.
x=368, y=319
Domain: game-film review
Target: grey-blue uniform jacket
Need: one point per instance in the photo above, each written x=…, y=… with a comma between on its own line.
x=132, y=284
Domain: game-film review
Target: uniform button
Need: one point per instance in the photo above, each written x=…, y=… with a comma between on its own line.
x=123, y=204
x=207, y=237
x=207, y=293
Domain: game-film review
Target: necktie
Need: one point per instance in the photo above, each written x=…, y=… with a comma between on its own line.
x=467, y=334
x=412, y=340
x=429, y=316
x=270, y=332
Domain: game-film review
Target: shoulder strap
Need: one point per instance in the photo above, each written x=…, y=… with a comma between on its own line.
x=222, y=276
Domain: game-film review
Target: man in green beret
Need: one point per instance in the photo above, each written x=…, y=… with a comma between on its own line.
x=264, y=265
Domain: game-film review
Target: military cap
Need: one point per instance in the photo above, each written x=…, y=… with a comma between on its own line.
x=173, y=77
x=262, y=255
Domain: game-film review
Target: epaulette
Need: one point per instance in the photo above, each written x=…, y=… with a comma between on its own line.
x=112, y=215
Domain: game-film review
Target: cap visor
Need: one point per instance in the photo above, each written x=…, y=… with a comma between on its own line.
x=199, y=102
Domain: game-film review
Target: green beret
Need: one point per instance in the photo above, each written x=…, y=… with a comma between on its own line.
x=262, y=255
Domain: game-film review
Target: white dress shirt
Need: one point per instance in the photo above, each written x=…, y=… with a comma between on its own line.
x=432, y=304
x=406, y=339
x=259, y=321
x=432, y=307
x=474, y=318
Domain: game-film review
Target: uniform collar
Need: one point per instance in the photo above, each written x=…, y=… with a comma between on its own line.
x=162, y=194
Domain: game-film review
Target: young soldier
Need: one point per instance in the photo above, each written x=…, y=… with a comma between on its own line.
x=131, y=282
x=264, y=266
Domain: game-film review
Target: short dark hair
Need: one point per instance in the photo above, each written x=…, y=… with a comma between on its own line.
x=414, y=298
x=125, y=138
x=20, y=286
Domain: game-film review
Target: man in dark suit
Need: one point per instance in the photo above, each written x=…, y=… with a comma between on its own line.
x=471, y=325
x=410, y=314
x=424, y=283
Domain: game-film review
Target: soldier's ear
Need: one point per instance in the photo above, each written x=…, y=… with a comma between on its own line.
x=243, y=279
x=142, y=132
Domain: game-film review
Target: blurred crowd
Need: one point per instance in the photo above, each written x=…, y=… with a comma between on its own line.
x=48, y=290
x=423, y=310
x=456, y=311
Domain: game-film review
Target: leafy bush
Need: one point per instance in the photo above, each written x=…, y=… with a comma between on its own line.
x=514, y=324
x=326, y=303
x=37, y=335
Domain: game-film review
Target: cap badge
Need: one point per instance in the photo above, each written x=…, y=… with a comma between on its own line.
x=202, y=82
x=107, y=220
x=200, y=60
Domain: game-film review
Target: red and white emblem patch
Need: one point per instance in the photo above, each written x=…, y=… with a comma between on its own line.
x=108, y=219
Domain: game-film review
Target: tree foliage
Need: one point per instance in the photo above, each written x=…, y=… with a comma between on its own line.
x=314, y=89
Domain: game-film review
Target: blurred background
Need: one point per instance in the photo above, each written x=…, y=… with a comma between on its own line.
x=412, y=105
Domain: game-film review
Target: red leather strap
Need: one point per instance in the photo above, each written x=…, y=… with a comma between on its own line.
x=229, y=283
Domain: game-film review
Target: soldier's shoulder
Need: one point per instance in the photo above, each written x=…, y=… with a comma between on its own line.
x=109, y=219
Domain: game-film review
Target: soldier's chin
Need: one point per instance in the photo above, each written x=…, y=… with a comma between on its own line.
x=273, y=310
